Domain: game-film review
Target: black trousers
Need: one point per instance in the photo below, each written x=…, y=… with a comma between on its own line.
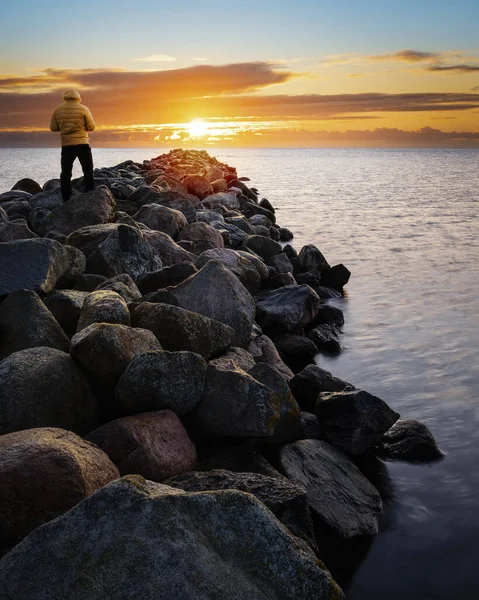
x=69, y=154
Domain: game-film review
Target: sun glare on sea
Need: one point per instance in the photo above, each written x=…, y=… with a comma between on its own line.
x=197, y=128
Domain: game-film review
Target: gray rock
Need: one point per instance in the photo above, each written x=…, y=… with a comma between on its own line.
x=15, y=230
x=168, y=249
x=76, y=267
x=180, y=329
x=257, y=263
x=353, y=421
x=48, y=199
x=32, y=265
x=234, y=235
x=264, y=351
x=286, y=309
x=336, y=277
x=162, y=218
x=242, y=223
x=337, y=491
x=262, y=220
x=285, y=235
x=3, y=215
x=123, y=285
x=280, y=262
x=235, y=358
x=286, y=501
x=158, y=380
x=27, y=185
x=88, y=282
x=311, y=259
x=88, y=238
x=36, y=217
x=105, y=350
x=226, y=199
x=124, y=251
x=244, y=269
x=253, y=555
x=65, y=306
x=25, y=322
x=234, y=306
x=90, y=208
x=409, y=440
x=168, y=276
x=16, y=207
x=103, y=306
x=311, y=381
x=43, y=387
x=295, y=347
x=154, y=445
x=263, y=246
x=234, y=404
x=208, y=216
x=203, y=236
x=326, y=338
x=309, y=425
x=261, y=231
x=43, y=473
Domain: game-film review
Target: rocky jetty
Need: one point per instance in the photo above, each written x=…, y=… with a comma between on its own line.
x=164, y=429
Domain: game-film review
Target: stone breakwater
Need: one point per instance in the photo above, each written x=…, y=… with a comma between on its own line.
x=164, y=430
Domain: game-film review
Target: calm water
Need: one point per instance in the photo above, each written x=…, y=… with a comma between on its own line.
x=405, y=223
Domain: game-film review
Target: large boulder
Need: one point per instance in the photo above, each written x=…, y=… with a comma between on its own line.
x=311, y=381
x=87, y=238
x=103, y=306
x=235, y=358
x=3, y=215
x=287, y=308
x=161, y=218
x=234, y=306
x=234, y=404
x=43, y=473
x=35, y=264
x=43, y=387
x=90, y=208
x=125, y=250
x=65, y=306
x=263, y=350
x=198, y=186
x=336, y=277
x=123, y=285
x=193, y=546
x=180, y=329
x=227, y=199
x=157, y=380
x=15, y=230
x=27, y=185
x=105, y=350
x=154, y=445
x=168, y=250
x=409, y=440
x=311, y=259
x=165, y=277
x=338, y=493
x=25, y=322
x=353, y=421
x=244, y=269
x=285, y=500
x=263, y=246
x=203, y=236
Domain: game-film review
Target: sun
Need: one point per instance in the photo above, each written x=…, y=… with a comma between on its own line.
x=197, y=128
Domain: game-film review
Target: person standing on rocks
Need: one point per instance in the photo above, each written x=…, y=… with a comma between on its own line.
x=74, y=120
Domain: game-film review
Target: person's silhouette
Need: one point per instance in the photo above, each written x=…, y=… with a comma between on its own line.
x=74, y=120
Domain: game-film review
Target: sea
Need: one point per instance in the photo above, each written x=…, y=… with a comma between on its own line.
x=405, y=223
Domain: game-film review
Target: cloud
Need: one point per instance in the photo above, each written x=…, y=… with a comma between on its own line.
x=200, y=59
x=475, y=89
x=453, y=68
x=407, y=56
x=157, y=58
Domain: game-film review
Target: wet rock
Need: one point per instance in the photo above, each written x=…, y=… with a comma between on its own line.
x=103, y=306
x=326, y=338
x=264, y=351
x=180, y=329
x=27, y=185
x=105, y=350
x=296, y=350
x=325, y=292
x=43, y=473
x=257, y=263
x=124, y=251
x=280, y=280
x=253, y=555
x=285, y=500
x=168, y=276
x=158, y=380
x=198, y=185
x=34, y=264
x=265, y=203
x=65, y=306
x=337, y=491
x=234, y=306
x=25, y=322
x=262, y=220
x=203, y=236
x=162, y=218
x=311, y=381
x=331, y=315
x=353, y=421
x=263, y=246
x=311, y=259
x=243, y=268
x=274, y=233
x=409, y=440
x=235, y=404
x=336, y=277
x=168, y=250
x=285, y=235
x=90, y=208
x=233, y=236
x=154, y=445
x=235, y=358
x=280, y=262
x=284, y=310
x=43, y=387
x=123, y=285
x=15, y=230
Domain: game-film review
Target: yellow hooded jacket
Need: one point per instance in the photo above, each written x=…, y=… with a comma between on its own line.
x=72, y=119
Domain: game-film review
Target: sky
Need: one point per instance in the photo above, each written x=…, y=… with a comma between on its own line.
x=266, y=73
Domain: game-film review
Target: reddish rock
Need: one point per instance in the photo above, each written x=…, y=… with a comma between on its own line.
x=198, y=186
x=153, y=444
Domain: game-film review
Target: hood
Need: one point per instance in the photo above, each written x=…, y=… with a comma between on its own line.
x=72, y=95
